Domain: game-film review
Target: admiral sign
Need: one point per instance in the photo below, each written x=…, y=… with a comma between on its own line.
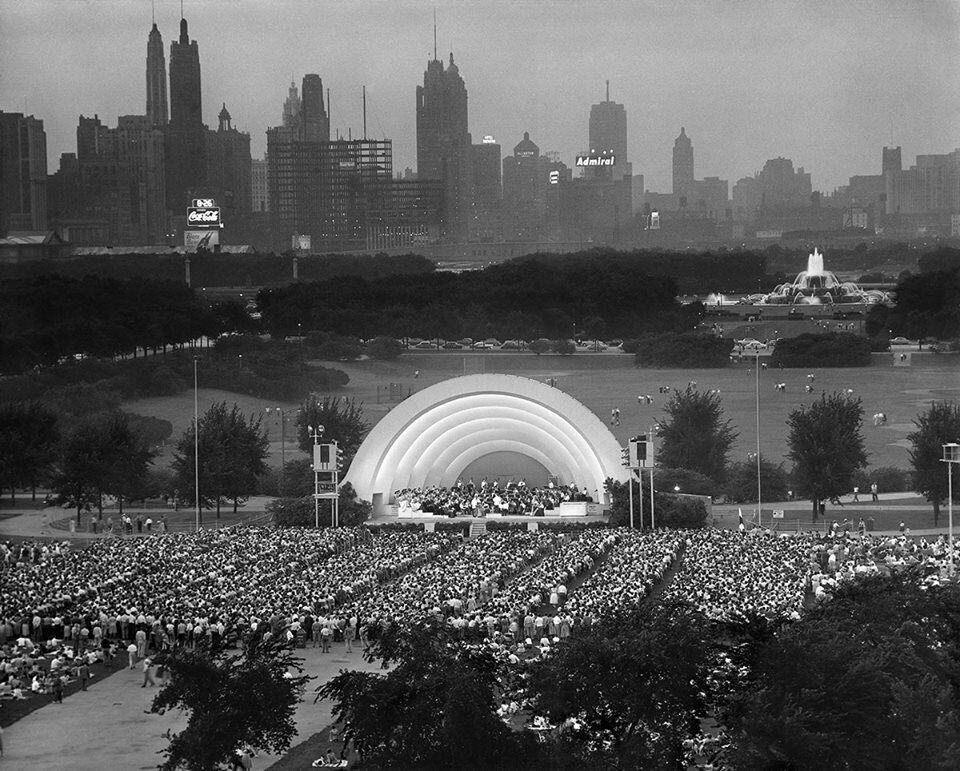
x=595, y=160
x=203, y=217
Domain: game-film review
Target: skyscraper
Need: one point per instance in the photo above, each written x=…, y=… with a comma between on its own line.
x=156, y=79
x=185, y=132
x=291, y=108
x=313, y=117
x=443, y=142
x=682, y=164
x=523, y=192
x=228, y=169
x=487, y=192
x=23, y=173
x=608, y=134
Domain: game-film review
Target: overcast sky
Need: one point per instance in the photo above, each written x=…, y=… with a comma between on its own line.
x=824, y=82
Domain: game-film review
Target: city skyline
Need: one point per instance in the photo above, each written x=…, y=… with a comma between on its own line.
x=867, y=51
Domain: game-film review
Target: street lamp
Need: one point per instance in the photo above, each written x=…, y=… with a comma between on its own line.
x=951, y=455
x=315, y=434
x=196, y=444
x=283, y=444
x=759, y=523
x=240, y=362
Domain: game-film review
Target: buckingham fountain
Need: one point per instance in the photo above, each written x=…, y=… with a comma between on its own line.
x=817, y=286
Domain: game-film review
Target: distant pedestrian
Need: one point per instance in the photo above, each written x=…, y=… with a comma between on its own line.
x=873, y=492
x=856, y=495
x=902, y=526
x=147, y=675
x=132, y=655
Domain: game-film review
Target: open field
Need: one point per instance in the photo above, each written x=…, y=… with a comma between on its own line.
x=603, y=382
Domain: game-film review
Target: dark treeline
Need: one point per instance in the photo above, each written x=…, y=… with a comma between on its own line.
x=593, y=295
x=701, y=272
x=215, y=270
x=45, y=319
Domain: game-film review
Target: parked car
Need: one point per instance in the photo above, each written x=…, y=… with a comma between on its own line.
x=426, y=345
x=451, y=344
x=749, y=344
x=902, y=341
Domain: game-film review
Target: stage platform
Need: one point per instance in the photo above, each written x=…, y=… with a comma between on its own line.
x=566, y=512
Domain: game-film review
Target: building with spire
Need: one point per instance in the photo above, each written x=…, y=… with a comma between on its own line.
x=291, y=108
x=185, y=131
x=157, y=113
x=608, y=135
x=443, y=142
x=228, y=172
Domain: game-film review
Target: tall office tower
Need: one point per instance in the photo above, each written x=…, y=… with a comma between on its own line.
x=156, y=79
x=782, y=187
x=523, y=192
x=313, y=117
x=608, y=134
x=228, y=169
x=138, y=145
x=291, y=108
x=185, y=132
x=891, y=171
x=443, y=142
x=259, y=176
x=487, y=192
x=682, y=164
x=23, y=173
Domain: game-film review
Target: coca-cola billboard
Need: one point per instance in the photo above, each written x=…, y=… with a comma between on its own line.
x=198, y=217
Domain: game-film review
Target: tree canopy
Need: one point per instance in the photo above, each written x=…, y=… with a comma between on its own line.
x=695, y=435
x=342, y=420
x=937, y=426
x=233, y=699
x=29, y=436
x=866, y=681
x=826, y=446
x=232, y=452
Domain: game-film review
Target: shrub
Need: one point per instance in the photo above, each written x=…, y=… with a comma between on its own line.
x=833, y=349
x=540, y=346
x=679, y=512
x=741, y=486
x=384, y=348
x=563, y=347
x=683, y=349
x=888, y=478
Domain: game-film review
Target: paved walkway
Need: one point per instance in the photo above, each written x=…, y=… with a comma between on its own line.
x=110, y=726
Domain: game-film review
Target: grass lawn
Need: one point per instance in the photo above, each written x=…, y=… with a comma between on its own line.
x=605, y=381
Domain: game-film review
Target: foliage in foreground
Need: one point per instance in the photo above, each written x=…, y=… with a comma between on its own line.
x=433, y=709
x=234, y=698
x=867, y=681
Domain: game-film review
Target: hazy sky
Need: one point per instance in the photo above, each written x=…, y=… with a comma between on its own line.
x=823, y=82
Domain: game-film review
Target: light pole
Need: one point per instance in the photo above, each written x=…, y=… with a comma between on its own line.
x=315, y=434
x=951, y=455
x=759, y=523
x=283, y=445
x=196, y=444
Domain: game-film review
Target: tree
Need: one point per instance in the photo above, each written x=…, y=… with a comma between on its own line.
x=85, y=465
x=864, y=681
x=301, y=512
x=385, y=348
x=826, y=447
x=237, y=699
x=684, y=349
x=28, y=445
x=637, y=683
x=696, y=436
x=833, y=349
x=564, y=347
x=433, y=709
x=232, y=451
x=540, y=346
x=127, y=459
x=342, y=420
x=939, y=425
